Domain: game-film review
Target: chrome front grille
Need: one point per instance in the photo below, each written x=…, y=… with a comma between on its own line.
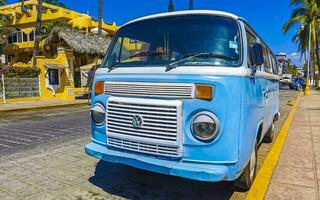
x=160, y=130
x=168, y=90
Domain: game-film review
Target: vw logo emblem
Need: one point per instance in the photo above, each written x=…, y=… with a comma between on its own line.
x=137, y=121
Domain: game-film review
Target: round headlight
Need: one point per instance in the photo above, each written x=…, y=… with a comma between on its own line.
x=98, y=114
x=205, y=126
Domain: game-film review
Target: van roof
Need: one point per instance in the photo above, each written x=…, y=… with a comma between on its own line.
x=186, y=12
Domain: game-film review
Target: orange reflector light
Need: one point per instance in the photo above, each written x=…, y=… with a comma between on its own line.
x=204, y=92
x=99, y=88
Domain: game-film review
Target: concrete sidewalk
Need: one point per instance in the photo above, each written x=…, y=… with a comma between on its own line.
x=39, y=104
x=297, y=174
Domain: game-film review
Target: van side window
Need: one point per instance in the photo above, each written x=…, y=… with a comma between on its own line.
x=267, y=61
x=275, y=65
x=250, y=40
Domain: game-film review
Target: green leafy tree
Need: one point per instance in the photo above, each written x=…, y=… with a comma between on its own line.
x=5, y=30
x=292, y=70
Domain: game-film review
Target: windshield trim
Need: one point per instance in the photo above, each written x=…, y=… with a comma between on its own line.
x=239, y=26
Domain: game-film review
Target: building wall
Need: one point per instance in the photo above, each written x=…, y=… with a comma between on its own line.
x=66, y=89
x=25, y=23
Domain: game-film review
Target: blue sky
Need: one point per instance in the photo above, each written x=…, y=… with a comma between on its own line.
x=267, y=17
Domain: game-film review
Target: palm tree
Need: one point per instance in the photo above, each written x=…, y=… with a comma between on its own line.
x=306, y=14
x=37, y=32
x=100, y=17
x=3, y=2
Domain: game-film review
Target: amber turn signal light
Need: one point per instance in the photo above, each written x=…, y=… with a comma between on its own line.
x=99, y=88
x=204, y=92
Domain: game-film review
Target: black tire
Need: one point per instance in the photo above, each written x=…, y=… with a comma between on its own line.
x=268, y=138
x=291, y=86
x=245, y=180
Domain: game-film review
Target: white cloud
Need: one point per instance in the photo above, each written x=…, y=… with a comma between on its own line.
x=282, y=54
x=294, y=57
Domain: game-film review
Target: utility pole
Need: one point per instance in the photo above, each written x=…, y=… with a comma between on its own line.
x=307, y=89
x=190, y=4
x=171, y=7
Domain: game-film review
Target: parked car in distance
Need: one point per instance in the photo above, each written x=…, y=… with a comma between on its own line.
x=287, y=78
x=189, y=94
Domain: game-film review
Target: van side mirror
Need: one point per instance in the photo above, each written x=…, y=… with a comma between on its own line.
x=256, y=53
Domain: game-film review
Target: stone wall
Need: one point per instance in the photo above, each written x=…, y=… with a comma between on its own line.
x=20, y=87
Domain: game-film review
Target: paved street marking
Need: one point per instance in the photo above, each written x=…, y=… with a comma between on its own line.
x=7, y=146
x=261, y=183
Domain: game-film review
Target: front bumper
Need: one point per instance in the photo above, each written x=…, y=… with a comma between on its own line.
x=190, y=170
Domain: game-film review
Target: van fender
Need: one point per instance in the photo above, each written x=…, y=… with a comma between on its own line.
x=277, y=116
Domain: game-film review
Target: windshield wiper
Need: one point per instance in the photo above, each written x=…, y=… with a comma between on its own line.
x=199, y=55
x=113, y=66
x=140, y=54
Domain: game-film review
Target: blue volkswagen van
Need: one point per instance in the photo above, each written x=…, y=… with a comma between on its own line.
x=189, y=94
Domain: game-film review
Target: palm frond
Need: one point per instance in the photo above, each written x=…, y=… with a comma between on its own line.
x=3, y=2
x=293, y=21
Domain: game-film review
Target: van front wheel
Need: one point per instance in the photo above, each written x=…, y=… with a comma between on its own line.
x=244, y=182
x=268, y=138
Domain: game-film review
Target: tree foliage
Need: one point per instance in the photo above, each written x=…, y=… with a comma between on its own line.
x=20, y=72
x=53, y=2
x=292, y=70
x=3, y=2
x=306, y=15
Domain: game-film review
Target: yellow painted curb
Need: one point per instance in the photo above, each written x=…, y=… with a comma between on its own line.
x=25, y=99
x=261, y=183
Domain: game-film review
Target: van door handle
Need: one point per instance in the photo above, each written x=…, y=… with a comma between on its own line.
x=265, y=93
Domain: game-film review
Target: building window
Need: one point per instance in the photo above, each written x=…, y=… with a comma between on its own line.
x=53, y=76
x=31, y=35
x=24, y=37
x=17, y=36
x=13, y=38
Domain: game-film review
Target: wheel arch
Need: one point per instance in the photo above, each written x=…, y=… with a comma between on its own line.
x=259, y=134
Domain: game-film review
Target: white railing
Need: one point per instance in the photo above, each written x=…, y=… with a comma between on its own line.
x=2, y=89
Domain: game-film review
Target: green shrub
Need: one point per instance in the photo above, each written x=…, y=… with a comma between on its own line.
x=19, y=72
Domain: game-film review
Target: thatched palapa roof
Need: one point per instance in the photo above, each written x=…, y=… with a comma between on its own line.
x=79, y=41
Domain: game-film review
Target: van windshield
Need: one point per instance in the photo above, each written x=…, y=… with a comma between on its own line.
x=165, y=41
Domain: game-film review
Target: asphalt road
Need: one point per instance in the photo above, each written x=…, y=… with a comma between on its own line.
x=23, y=130
x=42, y=153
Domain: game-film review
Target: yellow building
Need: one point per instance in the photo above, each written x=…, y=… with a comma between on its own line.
x=62, y=53
x=21, y=42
